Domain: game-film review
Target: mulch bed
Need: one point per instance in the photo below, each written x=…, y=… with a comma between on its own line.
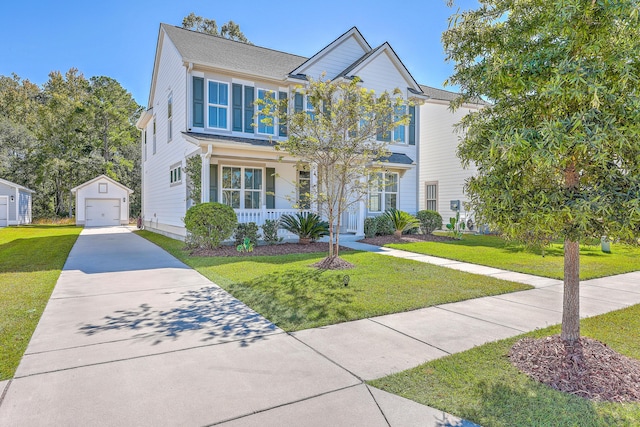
x=279, y=249
x=406, y=238
x=586, y=368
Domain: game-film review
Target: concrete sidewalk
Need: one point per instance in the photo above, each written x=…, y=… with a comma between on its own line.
x=131, y=336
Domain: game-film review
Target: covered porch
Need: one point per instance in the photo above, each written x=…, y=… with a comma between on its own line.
x=262, y=184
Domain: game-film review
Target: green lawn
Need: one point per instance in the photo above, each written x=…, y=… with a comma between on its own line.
x=496, y=252
x=31, y=258
x=482, y=386
x=294, y=296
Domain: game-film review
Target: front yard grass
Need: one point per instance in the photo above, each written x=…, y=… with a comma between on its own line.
x=495, y=252
x=482, y=386
x=31, y=258
x=294, y=296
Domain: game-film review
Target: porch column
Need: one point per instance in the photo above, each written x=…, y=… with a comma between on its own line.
x=205, y=177
x=361, y=210
x=313, y=187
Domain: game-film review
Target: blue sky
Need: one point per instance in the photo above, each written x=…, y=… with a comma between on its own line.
x=117, y=38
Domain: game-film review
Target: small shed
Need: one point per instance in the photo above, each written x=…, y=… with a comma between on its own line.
x=15, y=204
x=102, y=202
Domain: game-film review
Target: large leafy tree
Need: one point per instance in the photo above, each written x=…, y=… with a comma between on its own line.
x=336, y=138
x=230, y=30
x=558, y=151
x=70, y=130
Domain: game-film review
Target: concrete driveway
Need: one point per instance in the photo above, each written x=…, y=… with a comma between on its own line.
x=131, y=336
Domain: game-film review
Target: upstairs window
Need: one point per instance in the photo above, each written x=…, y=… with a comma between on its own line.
x=218, y=103
x=154, y=135
x=268, y=96
x=399, y=132
x=170, y=117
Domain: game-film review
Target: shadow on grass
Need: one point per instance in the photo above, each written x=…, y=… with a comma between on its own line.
x=297, y=299
x=503, y=405
x=35, y=253
x=207, y=314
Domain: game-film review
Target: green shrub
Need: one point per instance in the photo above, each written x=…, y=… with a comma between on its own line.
x=402, y=221
x=248, y=230
x=429, y=221
x=209, y=224
x=370, y=227
x=306, y=225
x=384, y=226
x=270, y=231
x=456, y=227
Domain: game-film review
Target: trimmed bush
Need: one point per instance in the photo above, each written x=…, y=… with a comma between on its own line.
x=307, y=226
x=384, y=226
x=209, y=224
x=248, y=230
x=270, y=231
x=429, y=221
x=370, y=226
x=402, y=221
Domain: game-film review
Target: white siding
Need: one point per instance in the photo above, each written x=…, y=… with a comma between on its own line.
x=92, y=191
x=337, y=59
x=381, y=74
x=164, y=204
x=438, y=159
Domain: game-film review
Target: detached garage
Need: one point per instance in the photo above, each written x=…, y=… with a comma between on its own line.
x=15, y=204
x=102, y=202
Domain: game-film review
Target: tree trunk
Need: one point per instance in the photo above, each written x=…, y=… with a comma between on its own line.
x=571, y=302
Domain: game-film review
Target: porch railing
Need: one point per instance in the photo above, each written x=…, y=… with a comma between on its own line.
x=350, y=220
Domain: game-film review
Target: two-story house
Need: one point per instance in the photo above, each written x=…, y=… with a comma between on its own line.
x=201, y=103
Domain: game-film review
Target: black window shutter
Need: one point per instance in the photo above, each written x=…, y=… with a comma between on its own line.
x=236, y=102
x=249, y=97
x=198, y=102
x=298, y=103
x=412, y=125
x=271, y=188
x=213, y=183
x=282, y=128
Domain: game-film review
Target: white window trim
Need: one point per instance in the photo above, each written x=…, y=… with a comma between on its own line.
x=175, y=174
x=155, y=132
x=426, y=194
x=170, y=117
x=242, y=188
x=394, y=140
x=299, y=188
x=208, y=104
x=274, y=125
x=383, y=193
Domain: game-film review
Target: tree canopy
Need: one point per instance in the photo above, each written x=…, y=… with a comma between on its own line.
x=230, y=30
x=557, y=152
x=69, y=131
x=334, y=135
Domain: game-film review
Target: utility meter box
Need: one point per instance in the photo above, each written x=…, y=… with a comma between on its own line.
x=455, y=205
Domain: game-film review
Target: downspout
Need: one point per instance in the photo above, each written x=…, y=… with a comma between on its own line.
x=187, y=96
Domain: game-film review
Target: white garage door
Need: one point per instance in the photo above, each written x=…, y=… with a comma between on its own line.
x=4, y=211
x=102, y=212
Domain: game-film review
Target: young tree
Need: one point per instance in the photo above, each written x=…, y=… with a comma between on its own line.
x=230, y=30
x=557, y=152
x=336, y=138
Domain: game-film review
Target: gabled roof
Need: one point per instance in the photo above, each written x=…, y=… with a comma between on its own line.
x=13, y=184
x=370, y=56
x=222, y=53
x=98, y=178
x=353, y=32
x=445, y=95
